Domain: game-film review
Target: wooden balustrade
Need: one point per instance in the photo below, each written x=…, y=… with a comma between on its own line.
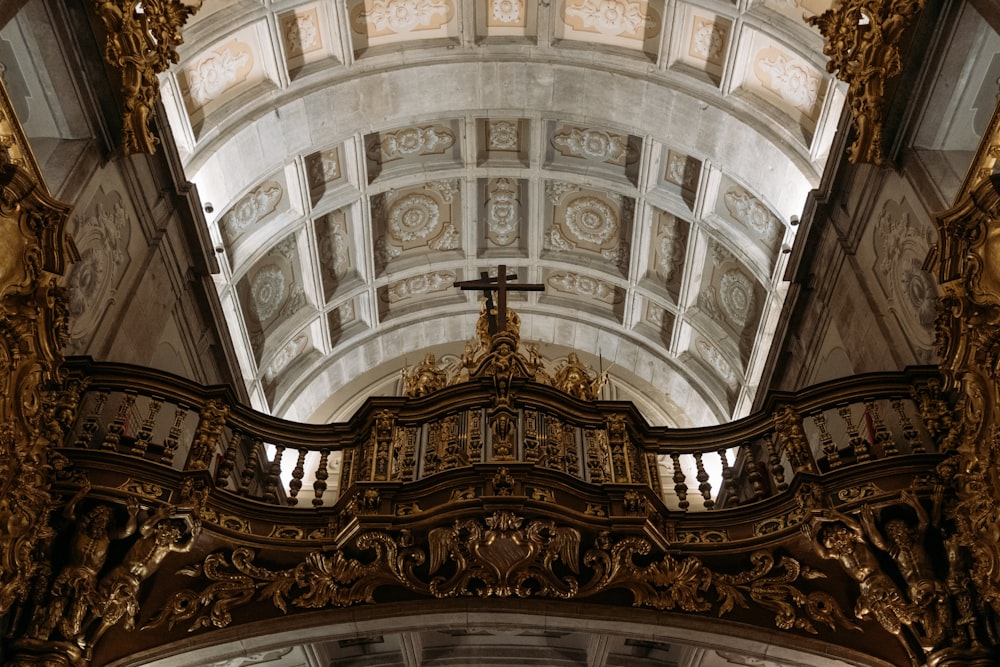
x=171, y=422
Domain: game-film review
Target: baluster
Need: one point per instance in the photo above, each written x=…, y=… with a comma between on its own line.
x=297, y=474
x=273, y=478
x=703, y=484
x=246, y=477
x=910, y=433
x=117, y=426
x=680, y=488
x=146, y=430
x=859, y=445
x=90, y=424
x=732, y=498
x=174, y=435
x=774, y=462
x=883, y=436
x=322, y=474
x=755, y=476
x=826, y=440
x=228, y=461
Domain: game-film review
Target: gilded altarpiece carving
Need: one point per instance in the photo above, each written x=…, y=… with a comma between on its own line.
x=141, y=38
x=968, y=331
x=863, y=41
x=33, y=328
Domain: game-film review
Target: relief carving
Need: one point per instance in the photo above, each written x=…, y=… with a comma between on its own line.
x=502, y=555
x=865, y=54
x=214, y=74
x=34, y=325
x=102, y=239
x=908, y=599
x=141, y=41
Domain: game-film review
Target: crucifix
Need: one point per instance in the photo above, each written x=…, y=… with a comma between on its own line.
x=501, y=286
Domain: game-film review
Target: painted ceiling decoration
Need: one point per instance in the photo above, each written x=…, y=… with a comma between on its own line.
x=645, y=161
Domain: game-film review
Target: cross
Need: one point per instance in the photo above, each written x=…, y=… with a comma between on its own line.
x=501, y=286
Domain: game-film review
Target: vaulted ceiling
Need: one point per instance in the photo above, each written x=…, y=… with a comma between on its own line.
x=646, y=161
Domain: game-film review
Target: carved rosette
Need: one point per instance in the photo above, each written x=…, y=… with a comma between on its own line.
x=33, y=328
x=863, y=39
x=142, y=37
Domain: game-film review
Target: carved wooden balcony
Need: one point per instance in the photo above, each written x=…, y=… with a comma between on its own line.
x=835, y=431
x=431, y=498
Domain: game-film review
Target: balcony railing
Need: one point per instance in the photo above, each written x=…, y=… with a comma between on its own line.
x=175, y=423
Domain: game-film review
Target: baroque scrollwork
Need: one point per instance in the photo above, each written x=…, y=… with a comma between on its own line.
x=142, y=39
x=33, y=327
x=969, y=348
x=863, y=39
x=502, y=555
x=320, y=580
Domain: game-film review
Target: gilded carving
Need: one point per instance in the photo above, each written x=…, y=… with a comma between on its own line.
x=573, y=377
x=791, y=439
x=141, y=41
x=924, y=600
x=208, y=436
x=33, y=327
x=501, y=555
x=862, y=40
x=74, y=591
x=969, y=347
x=117, y=597
x=147, y=490
x=424, y=378
x=320, y=580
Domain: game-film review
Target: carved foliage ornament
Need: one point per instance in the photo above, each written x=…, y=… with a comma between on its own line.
x=862, y=41
x=33, y=327
x=141, y=42
x=969, y=347
x=613, y=17
x=503, y=555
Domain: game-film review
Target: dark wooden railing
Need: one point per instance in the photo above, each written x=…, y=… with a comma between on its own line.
x=175, y=423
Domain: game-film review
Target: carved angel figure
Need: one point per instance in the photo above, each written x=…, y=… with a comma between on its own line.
x=576, y=379
x=425, y=378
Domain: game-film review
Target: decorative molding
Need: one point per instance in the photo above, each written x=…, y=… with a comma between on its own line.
x=900, y=248
x=102, y=239
x=212, y=74
x=251, y=209
x=503, y=211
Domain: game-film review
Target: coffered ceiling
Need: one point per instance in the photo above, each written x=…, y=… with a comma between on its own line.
x=645, y=161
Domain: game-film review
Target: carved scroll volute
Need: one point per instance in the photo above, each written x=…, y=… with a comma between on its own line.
x=968, y=330
x=862, y=40
x=141, y=41
x=33, y=328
